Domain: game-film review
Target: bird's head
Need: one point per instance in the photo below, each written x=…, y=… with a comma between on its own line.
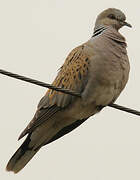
x=112, y=17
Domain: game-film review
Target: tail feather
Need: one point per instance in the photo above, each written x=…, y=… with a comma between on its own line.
x=21, y=157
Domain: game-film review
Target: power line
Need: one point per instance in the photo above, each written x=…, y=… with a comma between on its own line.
x=66, y=91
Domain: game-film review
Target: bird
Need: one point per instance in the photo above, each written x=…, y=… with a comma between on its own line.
x=97, y=69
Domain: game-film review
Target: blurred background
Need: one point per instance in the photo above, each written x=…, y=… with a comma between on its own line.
x=35, y=38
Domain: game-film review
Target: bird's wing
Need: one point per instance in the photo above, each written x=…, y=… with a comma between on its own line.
x=73, y=75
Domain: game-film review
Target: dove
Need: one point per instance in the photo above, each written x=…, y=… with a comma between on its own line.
x=98, y=70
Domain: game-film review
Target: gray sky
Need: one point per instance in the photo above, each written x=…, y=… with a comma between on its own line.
x=35, y=38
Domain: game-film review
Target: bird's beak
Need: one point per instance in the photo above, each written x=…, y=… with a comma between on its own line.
x=127, y=24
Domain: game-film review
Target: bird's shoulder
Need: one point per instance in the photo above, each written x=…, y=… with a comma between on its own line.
x=72, y=75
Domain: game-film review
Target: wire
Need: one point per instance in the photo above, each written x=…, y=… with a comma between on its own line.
x=122, y=108
x=66, y=91
x=39, y=83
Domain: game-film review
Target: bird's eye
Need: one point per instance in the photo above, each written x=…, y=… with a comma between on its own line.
x=111, y=16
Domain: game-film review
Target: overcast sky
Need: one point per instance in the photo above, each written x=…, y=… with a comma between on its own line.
x=35, y=38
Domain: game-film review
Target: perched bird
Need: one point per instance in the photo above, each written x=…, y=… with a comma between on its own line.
x=98, y=69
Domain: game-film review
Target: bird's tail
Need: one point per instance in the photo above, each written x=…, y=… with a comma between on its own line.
x=21, y=157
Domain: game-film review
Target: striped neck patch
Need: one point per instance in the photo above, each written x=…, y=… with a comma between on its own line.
x=99, y=31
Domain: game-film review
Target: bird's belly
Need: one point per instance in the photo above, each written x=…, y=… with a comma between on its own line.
x=84, y=108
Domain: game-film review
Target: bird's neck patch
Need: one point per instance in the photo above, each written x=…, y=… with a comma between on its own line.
x=99, y=31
